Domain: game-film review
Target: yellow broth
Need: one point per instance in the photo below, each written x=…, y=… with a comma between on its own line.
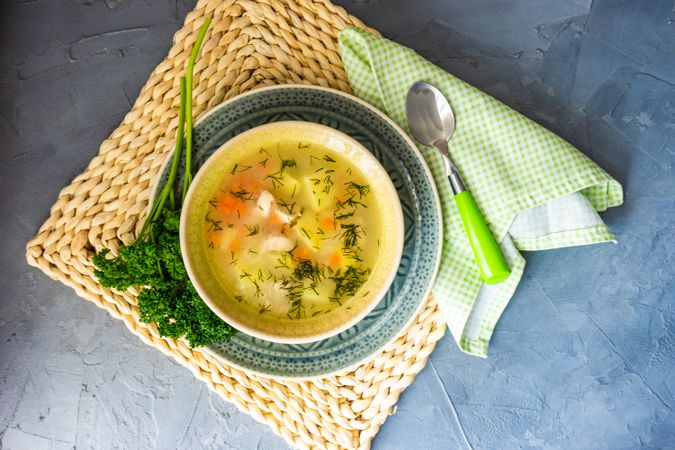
x=293, y=230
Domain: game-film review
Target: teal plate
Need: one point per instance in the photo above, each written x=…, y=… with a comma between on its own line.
x=421, y=213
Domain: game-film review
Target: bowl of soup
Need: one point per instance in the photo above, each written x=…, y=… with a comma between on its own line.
x=292, y=232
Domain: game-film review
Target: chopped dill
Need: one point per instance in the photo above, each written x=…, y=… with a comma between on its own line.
x=353, y=203
x=290, y=207
x=282, y=262
x=276, y=178
x=287, y=163
x=242, y=194
x=305, y=269
x=312, y=287
x=353, y=253
x=214, y=225
x=245, y=274
x=354, y=188
x=349, y=281
x=350, y=234
x=328, y=158
x=293, y=288
x=257, y=292
x=344, y=215
x=327, y=184
x=297, y=309
x=252, y=230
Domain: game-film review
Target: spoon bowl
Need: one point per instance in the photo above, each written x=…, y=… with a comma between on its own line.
x=429, y=114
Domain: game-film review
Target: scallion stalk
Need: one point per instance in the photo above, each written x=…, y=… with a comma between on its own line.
x=183, y=135
x=187, y=178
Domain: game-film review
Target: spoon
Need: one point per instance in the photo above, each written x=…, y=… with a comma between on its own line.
x=432, y=122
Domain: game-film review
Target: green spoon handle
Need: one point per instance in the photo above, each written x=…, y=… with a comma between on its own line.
x=489, y=257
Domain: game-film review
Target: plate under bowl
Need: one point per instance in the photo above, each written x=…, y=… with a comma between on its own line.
x=421, y=215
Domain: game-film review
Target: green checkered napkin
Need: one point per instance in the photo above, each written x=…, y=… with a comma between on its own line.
x=535, y=190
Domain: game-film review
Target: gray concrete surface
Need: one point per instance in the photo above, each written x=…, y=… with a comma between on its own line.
x=583, y=357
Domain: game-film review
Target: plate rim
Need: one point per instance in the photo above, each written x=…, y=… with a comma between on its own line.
x=439, y=215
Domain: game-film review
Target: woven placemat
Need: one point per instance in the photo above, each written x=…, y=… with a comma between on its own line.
x=249, y=44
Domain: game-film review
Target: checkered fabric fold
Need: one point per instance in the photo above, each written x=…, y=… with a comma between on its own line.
x=536, y=191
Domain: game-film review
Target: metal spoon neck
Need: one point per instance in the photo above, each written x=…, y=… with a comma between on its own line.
x=451, y=171
x=442, y=146
x=456, y=181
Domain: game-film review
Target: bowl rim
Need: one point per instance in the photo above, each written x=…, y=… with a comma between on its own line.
x=396, y=217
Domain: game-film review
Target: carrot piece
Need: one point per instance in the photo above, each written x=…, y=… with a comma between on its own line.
x=303, y=253
x=226, y=204
x=328, y=222
x=231, y=206
x=235, y=245
x=241, y=209
x=276, y=222
x=215, y=237
x=335, y=259
x=276, y=219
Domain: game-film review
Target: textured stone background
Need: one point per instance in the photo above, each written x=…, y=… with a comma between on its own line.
x=583, y=357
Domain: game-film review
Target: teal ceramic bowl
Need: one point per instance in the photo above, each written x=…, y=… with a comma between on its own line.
x=421, y=215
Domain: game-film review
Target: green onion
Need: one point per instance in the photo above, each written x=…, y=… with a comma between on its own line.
x=187, y=179
x=167, y=190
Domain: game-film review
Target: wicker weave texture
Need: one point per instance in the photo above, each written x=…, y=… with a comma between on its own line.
x=249, y=44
